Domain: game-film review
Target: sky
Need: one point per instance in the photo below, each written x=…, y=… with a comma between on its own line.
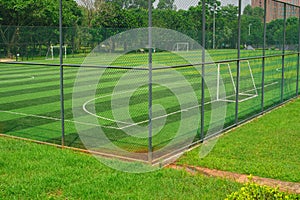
x=185, y=4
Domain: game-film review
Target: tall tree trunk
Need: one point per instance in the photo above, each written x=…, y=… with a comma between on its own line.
x=8, y=40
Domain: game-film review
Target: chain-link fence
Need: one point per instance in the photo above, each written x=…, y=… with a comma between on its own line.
x=148, y=91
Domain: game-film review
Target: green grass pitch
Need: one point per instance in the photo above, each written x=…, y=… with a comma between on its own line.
x=30, y=96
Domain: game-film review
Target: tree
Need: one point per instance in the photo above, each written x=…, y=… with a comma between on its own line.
x=167, y=18
x=38, y=13
x=251, y=30
x=89, y=8
x=33, y=13
x=226, y=27
x=248, y=10
x=258, y=12
x=255, y=12
x=252, y=19
x=275, y=32
x=166, y=4
x=276, y=28
x=193, y=22
x=110, y=19
x=292, y=34
x=292, y=30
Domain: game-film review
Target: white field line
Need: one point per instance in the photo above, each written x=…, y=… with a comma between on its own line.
x=166, y=115
x=101, y=97
x=19, y=79
x=55, y=119
x=112, y=127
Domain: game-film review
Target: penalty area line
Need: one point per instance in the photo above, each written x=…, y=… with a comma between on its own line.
x=187, y=109
x=113, y=127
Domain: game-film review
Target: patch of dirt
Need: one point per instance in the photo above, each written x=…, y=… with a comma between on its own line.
x=55, y=194
x=285, y=186
x=6, y=60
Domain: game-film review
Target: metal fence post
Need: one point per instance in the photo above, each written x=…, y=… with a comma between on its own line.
x=61, y=75
x=283, y=52
x=264, y=59
x=238, y=64
x=203, y=71
x=150, y=147
x=298, y=60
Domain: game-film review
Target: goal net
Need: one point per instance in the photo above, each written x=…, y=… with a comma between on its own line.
x=247, y=87
x=53, y=52
x=181, y=46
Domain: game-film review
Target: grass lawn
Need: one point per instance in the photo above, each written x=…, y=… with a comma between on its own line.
x=266, y=147
x=32, y=171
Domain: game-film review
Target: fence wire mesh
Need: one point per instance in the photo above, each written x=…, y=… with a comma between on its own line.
x=148, y=93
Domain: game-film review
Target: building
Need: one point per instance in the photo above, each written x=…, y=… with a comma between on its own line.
x=275, y=10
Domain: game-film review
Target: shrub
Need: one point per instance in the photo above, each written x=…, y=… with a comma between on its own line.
x=254, y=191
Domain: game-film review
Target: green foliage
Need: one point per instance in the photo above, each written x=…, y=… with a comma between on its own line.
x=166, y=4
x=275, y=31
x=16, y=13
x=248, y=10
x=252, y=30
x=168, y=19
x=254, y=191
x=38, y=13
x=255, y=12
x=258, y=12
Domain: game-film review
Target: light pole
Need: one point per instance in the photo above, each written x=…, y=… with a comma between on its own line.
x=249, y=29
x=214, y=26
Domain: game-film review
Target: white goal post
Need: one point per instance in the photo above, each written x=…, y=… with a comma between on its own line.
x=247, y=89
x=181, y=46
x=50, y=52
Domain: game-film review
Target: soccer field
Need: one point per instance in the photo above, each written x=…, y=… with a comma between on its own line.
x=115, y=100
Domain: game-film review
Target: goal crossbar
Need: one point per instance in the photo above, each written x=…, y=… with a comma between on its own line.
x=51, y=51
x=181, y=46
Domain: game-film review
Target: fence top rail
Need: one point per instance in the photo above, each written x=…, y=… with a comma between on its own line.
x=287, y=3
x=156, y=68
